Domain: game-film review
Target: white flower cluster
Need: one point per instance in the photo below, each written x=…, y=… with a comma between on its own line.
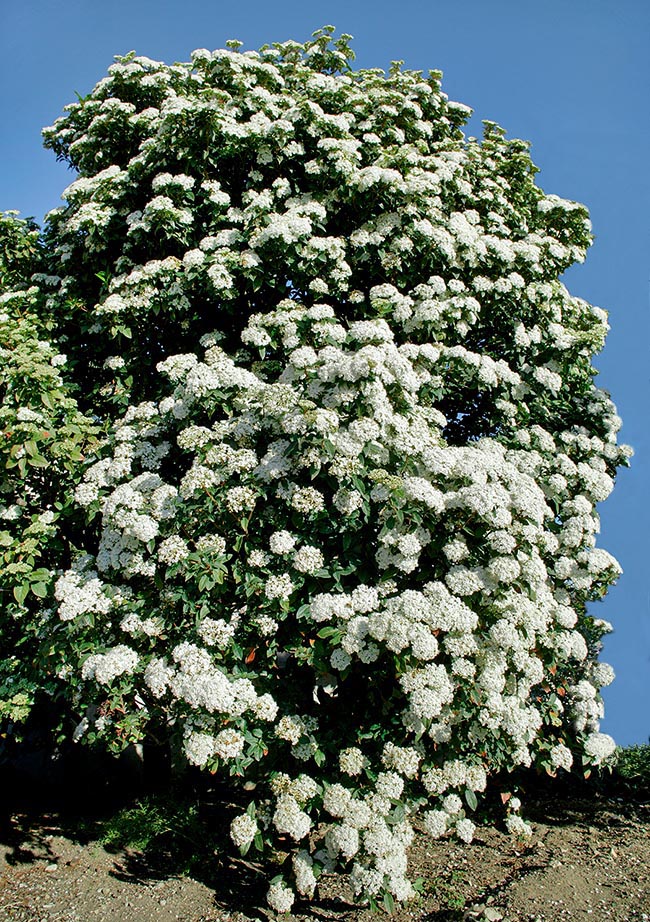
x=243, y=830
x=80, y=591
x=104, y=667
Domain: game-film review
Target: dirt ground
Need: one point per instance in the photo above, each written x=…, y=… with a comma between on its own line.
x=589, y=859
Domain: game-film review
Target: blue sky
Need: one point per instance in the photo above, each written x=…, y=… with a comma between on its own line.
x=571, y=77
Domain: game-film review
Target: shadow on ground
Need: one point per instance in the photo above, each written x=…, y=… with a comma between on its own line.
x=158, y=829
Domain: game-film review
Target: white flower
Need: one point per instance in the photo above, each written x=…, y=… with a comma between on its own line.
x=198, y=747
x=211, y=544
x=282, y=542
x=27, y=415
x=504, y=569
x=258, y=558
x=290, y=819
x=157, y=677
x=336, y=800
x=229, y=744
x=599, y=747
x=114, y=362
x=278, y=587
x=561, y=757
x=342, y=839
x=603, y=674
x=308, y=559
x=402, y=759
x=390, y=784
x=80, y=729
x=290, y=728
x=518, y=827
x=268, y=626
x=240, y=499
x=280, y=897
x=86, y=492
x=80, y=591
x=452, y=804
x=340, y=660
x=303, y=870
x=465, y=830
x=243, y=830
x=352, y=761
x=172, y=550
x=364, y=599
x=216, y=631
x=436, y=823
x=265, y=708
x=307, y=500
x=348, y=501
x=456, y=550
x=104, y=667
x=548, y=378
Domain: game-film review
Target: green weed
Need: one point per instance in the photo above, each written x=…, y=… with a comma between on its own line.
x=447, y=890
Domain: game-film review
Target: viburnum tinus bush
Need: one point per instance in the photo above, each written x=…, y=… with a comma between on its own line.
x=341, y=539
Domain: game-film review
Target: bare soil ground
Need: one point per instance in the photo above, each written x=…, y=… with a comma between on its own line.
x=588, y=860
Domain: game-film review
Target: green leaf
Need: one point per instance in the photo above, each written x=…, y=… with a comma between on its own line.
x=328, y=631
x=38, y=461
x=470, y=797
x=20, y=593
x=39, y=590
x=40, y=575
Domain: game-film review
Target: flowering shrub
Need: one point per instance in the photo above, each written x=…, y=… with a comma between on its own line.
x=345, y=520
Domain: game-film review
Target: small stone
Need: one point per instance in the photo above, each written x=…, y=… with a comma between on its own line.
x=492, y=914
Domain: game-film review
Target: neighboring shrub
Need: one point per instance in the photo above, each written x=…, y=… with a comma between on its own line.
x=633, y=764
x=348, y=517
x=44, y=437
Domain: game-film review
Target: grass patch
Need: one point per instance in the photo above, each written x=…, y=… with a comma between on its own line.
x=170, y=832
x=138, y=826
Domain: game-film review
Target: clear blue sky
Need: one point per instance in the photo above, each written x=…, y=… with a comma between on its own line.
x=571, y=76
